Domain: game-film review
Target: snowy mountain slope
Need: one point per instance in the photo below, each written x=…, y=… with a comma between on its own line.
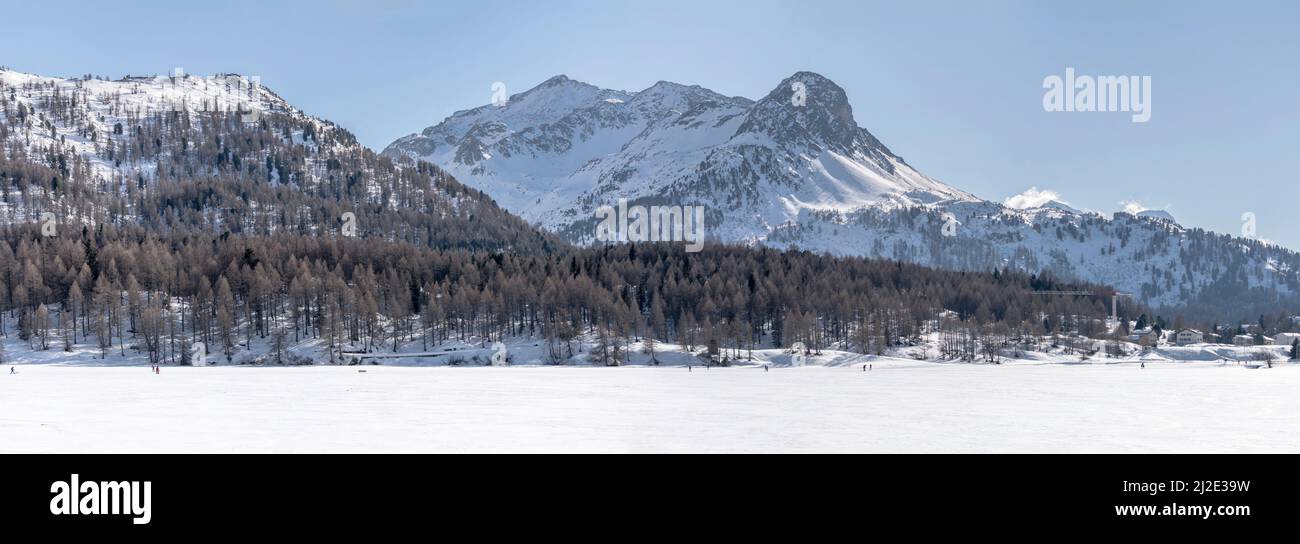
x=84, y=115
x=144, y=150
x=793, y=169
x=1162, y=263
x=773, y=156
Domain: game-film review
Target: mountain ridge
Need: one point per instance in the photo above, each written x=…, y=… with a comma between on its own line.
x=794, y=170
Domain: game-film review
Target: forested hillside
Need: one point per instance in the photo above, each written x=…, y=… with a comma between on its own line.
x=127, y=288
x=163, y=154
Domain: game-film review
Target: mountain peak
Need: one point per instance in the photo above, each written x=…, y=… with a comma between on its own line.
x=806, y=108
x=667, y=95
x=810, y=78
x=821, y=91
x=562, y=85
x=556, y=80
x=664, y=85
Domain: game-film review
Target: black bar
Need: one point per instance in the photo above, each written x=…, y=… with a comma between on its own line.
x=306, y=495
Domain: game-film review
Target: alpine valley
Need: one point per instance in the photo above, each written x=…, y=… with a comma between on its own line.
x=794, y=170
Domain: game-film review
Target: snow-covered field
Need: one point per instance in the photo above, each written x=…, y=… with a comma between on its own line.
x=899, y=406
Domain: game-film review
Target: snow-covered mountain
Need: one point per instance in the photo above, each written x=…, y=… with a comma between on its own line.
x=563, y=148
x=85, y=117
x=219, y=154
x=793, y=169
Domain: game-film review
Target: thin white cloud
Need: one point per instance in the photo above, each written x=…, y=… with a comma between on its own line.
x=1033, y=197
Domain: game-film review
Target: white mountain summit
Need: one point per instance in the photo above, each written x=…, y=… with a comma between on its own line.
x=555, y=153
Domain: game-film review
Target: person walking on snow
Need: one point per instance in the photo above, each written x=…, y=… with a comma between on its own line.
x=12, y=371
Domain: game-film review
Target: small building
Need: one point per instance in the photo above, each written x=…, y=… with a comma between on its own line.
x=1187, y=337
x=1286, y=338
x=1146, y=338
x=1243, y=340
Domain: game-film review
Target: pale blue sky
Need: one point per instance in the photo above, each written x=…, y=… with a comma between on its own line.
x=954, y=86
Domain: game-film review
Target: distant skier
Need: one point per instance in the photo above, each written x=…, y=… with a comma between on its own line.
x=688, y=368
x=1144, y=364
x=12, y=371
x=764, y=368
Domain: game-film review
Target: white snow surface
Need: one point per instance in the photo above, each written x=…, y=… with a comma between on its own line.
x=1200, y=398
x=899, y=406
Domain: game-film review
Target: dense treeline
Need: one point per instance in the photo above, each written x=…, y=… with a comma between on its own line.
x=119, y=287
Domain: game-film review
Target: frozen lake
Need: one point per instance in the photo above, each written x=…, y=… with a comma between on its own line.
x=900, y=406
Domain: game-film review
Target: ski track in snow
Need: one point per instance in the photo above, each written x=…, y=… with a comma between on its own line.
x=899, y=406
